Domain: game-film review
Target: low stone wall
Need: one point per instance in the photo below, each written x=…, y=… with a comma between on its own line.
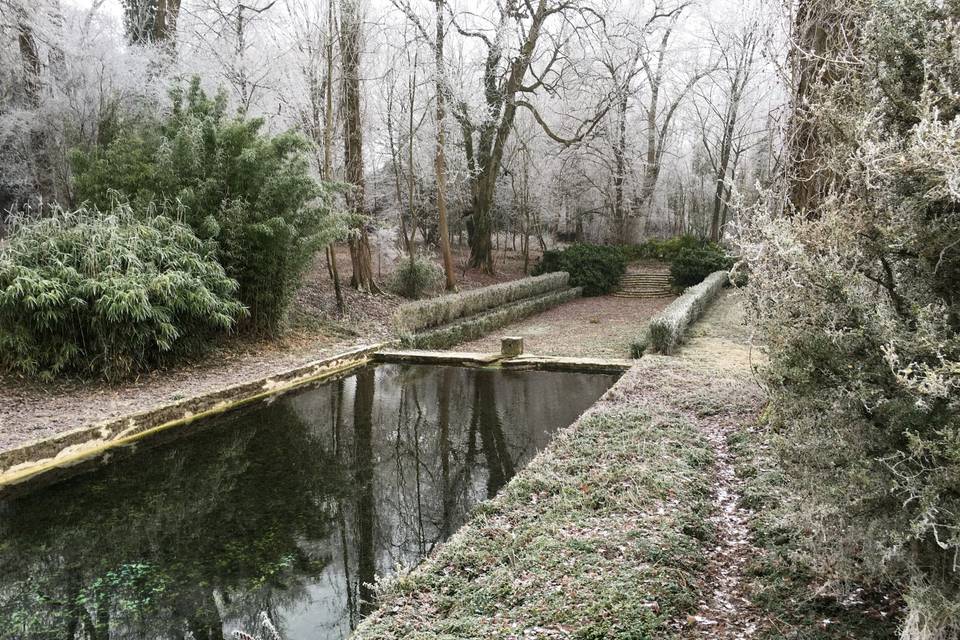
x=478, y=325
x=415, y=317
x=82, y=445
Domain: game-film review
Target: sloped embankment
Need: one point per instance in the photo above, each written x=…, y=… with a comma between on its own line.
x=605, y=534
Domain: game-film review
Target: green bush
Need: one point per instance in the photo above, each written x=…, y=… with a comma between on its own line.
x=664, y=250
x=692, y=266
x=596, y=268
x=413, y=278
x=108, y=295
x=856, y=296
x=250, y=192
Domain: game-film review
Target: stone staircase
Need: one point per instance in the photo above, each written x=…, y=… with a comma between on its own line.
x=645, y=284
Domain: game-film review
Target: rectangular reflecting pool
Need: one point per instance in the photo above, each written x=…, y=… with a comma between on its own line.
x=271, y=522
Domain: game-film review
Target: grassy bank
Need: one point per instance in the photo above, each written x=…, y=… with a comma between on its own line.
x=796, y=602
x=603, y=536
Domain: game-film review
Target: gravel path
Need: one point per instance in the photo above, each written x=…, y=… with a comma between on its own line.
x=601, y=327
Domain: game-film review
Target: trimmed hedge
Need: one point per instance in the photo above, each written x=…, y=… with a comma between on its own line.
x=481, y=324
x=665, y=250
x=596, y=268
x=668, y=328
x=413, y=317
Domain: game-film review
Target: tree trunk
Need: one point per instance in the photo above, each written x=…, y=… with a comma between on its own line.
x=360, y=255
x=328, y=151
x=32, y=68
x=440, y=163
x=619, y=155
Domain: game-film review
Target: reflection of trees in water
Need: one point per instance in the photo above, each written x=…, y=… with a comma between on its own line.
x=287, y=511
x=441, y=444
x=486, y=421
x=172, y=541
x=364, y=477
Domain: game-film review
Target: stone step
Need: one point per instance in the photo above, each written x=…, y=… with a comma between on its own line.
x=658, y=290
x=642, y=295
x=645, y=279
x=645, y=287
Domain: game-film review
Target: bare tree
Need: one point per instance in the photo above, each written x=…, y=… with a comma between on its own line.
x=350, y=46
x=660, y=110
x=735, y=71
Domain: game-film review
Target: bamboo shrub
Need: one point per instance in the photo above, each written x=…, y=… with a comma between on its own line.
x=107, y=295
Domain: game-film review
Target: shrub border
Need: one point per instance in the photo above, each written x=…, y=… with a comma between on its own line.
x=666, y=330
x=415, y=316
x=479, y=325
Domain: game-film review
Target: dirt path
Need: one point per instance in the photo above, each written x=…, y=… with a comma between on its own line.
x=726, y=613
x=30, y=410
x=722, y=341
x=601, y=327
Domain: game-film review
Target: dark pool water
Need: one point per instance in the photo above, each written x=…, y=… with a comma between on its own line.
x=268, y=523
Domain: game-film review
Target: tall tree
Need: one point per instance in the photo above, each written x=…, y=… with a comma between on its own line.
x=350, y=46
x=736, y=70
x=440, y=162
x=660, y=109
x=504, y=81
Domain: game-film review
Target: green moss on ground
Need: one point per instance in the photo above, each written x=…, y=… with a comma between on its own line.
x=602, y=536
x=796, y=602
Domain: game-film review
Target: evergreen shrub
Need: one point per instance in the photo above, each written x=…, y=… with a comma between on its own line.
x=413, y=278
x=856, y=295
x=250, y=192
x=595, y=268
x=691, y=266
x=108, y=295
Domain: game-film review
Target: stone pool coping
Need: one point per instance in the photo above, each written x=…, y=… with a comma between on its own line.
x=54, y=457
x=60, y=452
x=523, y=361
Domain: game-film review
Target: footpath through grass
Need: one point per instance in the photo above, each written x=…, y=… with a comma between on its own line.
x=660, y=514
x=604, y=535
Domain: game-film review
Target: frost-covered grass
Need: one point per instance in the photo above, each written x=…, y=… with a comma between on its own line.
x=478, y=325
x=417, y=316
x=667, y=329
x=781, y=581
x=603, y=535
